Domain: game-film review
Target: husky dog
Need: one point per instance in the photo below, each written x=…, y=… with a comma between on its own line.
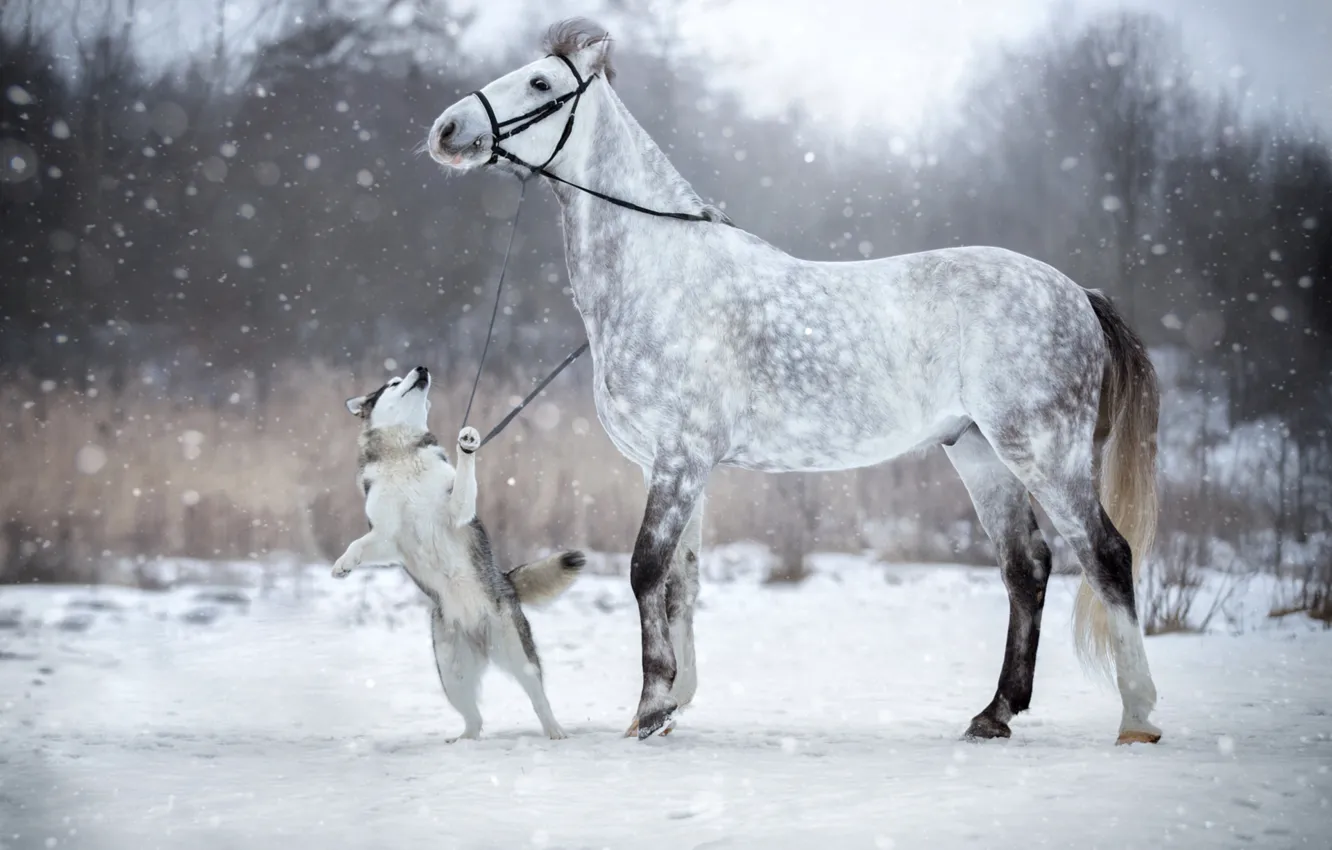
x=422, y=515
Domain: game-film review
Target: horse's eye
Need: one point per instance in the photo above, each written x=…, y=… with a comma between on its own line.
x=540, y=84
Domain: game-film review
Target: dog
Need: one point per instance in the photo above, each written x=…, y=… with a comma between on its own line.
x=422, y=514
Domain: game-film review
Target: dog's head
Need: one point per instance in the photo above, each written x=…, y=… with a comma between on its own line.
x=402, y=401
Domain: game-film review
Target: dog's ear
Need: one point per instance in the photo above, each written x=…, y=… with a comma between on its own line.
x=357, y=406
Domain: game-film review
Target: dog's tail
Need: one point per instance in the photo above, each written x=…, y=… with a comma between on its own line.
x=542, y=581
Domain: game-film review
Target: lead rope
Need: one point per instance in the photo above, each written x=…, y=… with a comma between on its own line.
x=490, y=332
x=494, y=432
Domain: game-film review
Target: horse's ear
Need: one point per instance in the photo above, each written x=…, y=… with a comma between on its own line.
x=584, y=43
x=599, y=58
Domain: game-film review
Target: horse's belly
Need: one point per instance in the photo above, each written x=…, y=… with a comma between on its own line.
x=811, y=438
x=813, y=452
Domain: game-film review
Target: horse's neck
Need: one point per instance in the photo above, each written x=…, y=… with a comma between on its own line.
x=615, y=156
x=620, y=159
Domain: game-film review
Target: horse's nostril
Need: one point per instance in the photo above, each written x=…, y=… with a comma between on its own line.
x=446, y=132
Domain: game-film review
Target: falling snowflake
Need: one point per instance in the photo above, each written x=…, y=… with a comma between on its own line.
x=191, y=442
x=90, y=459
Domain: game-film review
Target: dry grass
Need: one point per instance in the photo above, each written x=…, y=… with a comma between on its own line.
x=145, y=472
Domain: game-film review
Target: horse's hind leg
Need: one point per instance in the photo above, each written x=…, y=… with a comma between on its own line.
x=1060, y=475
x=1107, y=563
x=1005, y=512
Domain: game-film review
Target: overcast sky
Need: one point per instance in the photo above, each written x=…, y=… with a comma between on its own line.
x=879, y=61
x=891, y=60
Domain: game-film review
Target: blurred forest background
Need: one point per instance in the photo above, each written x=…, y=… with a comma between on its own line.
x=203, y=260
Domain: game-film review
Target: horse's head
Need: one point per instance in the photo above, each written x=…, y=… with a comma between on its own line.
x=524, y=118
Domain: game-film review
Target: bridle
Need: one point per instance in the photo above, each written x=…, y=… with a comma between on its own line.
x=528, y=120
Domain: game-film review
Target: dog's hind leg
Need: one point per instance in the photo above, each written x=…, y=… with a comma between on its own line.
x=515, y=652
x=460, y=664
x=1004, y=509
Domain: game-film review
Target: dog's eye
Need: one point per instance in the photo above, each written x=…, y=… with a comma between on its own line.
x=395, y=382
x=539, y=84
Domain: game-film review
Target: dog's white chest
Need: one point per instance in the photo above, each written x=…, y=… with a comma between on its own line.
x=413, y=498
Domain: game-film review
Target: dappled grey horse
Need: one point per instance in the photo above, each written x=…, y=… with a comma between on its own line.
x=711, y=347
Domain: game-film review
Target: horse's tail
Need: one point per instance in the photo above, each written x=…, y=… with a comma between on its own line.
x=1126, y=437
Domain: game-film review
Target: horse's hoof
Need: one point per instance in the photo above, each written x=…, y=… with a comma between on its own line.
x=1137, y=736
x=632, y=731
x=985, y=727
x=659, y=722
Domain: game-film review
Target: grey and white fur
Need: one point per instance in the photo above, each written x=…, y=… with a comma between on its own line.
x=711, y=347
x=422, y=514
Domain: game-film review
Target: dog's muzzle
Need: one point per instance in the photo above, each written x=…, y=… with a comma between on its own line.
x=422, y=378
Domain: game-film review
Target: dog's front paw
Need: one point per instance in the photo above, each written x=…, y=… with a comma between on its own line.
x=469, y=439
x=342, y=568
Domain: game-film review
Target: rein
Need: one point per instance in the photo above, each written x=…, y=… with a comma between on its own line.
x=530, y=119
x=490, y=331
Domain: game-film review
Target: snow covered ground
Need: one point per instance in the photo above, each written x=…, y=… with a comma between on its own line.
x=307, y=714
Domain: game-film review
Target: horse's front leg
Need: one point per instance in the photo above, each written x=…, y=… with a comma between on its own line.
x=674, y=491
x=681, y=598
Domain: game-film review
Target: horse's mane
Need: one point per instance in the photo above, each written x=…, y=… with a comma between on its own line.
x=574, y=34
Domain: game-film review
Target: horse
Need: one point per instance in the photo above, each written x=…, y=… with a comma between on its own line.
x=710, y=347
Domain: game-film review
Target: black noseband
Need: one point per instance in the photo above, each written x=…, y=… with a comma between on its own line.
x=528, y=120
